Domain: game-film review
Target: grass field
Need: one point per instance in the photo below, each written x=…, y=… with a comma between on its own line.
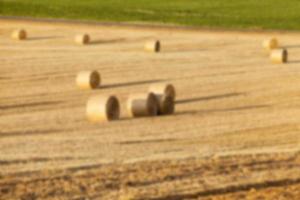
x=251, y=14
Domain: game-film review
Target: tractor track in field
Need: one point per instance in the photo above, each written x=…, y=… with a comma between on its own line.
x=161, y=180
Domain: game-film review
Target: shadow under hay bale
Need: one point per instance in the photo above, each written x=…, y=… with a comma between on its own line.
x=292, y=46
x=44, y=38
x=112, y=41
x=234, y=109
x=294, y=61
x=117, y=85
x=4, y=78
x=29, y=105
x=31, y=132
x=209, y=98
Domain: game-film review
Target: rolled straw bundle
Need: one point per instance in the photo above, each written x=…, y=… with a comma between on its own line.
x=88, y=80
x=82, y=39
x=19, y=34
x=141, y=105
x=165, y=95
x=270, y=44
x=279, y=56
x=103, y=108
x=153, y=46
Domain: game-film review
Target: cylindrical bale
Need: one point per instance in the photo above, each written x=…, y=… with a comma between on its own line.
x=164, y=89
x=19, y=34
x=142, y=105
x=270, y=44
x=82, y=39
x=153, y=46
x=87, y=80
x=279, y=56
x=166, y=104
x=103, y=108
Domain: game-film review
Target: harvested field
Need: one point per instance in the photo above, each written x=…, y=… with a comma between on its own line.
x=235, y=133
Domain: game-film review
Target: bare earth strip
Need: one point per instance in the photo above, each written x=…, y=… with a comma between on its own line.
x=235, y=132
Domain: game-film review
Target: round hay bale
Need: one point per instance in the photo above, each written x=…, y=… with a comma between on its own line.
x=279, y=56
x=87, y=80
x=270, y=44
x=142, y=105
x=153, y=46
x=164, y=89
x=19, y=34
x=103, y=108
x=166, y=104
x=82, y=39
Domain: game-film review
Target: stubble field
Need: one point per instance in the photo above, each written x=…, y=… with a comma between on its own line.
x=235, y=133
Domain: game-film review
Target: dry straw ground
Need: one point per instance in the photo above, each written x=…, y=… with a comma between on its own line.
x=235, y=132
